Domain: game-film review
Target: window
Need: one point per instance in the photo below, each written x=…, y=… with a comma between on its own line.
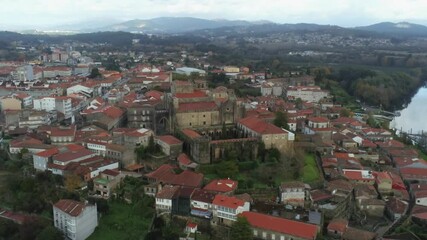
x=255, y=232
x=190, y=124
x=204, y=115
x=204, y=122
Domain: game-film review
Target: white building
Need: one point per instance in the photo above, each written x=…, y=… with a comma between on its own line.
x=75, y=219
x=45, y=103
x=292, y=193
x=226, y=209
x=306, y=93
x=164, y=198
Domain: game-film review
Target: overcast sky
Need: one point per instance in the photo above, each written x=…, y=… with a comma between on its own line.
x=49, y=13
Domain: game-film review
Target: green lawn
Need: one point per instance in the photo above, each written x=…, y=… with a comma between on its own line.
x=310, y=170
x=123, y=221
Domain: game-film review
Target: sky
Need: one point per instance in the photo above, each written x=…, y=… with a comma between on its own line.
x=38, y=14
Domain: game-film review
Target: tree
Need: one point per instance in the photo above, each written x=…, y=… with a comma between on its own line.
x=50, y=233
x=298, y=103
x=72, y=182
x=345, y=112
x=281, y=120
x=141, y=152
x=227, y=169
x=94, y=73
x=241, y=229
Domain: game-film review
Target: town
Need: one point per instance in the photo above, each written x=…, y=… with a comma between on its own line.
x=120, y=145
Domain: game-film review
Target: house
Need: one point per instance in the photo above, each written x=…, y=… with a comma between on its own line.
x=311, y=94
x=201, y=203
x=337, y=227
x=383, y=182
x=138, y=137
x=185, y=163
x=414, y=174
x=106, y=117
x=61, y=160
x=166, y=174
x=226, y=209
x=170, y=145
x=41, y=159
x=292, y=193
x=75, y=220
x=106, y=182
x=223, y=186
x=164, y=198
x=395, y=208
x=359, y=176
x=271, y=135
x=270, y=227
x=373, y=207
x=181, y=201
x=191, y=227
x=63, y=135
x=358, y=234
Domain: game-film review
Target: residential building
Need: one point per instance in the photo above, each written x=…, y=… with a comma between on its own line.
x=359, y=176
x=165, y=174
x=222, y=186
x=164, y=198
x=10, y=103
x=274, y=228
x=107, y=182
x=75, y=220
x=201, y=203
x=271, y=135
x=226, y=209
x=311, y=94
x=292, y=193
x=170, y=145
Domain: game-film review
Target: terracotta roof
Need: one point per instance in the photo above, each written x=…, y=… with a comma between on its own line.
x=195, y=94
x=229, y=202
x=63, y=131
x=110, y=172
x=169, y=139
x=197, y=107
x=191, y=133
x=113, y=112
x=352, y=174
x=396, y=205
x=318, y=119
x=70, y=207
x=184, y=159
x=134, y=167
x=281, y=225
x=339, y=225
x=221, y=185
x=48, y=153
x=166, y=174
x=413, y=172
x=202, y=195
x=358, y=234
x=72, y=155
x=167, y=192
x=260, y=126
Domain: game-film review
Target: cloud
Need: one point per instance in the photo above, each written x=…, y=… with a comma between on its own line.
x=339, y=12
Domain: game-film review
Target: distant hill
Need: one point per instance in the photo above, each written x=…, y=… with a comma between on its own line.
x=398, y=29
x=172, y=25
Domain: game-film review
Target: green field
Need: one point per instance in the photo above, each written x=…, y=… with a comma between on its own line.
x=310, y=171
x=123, y=221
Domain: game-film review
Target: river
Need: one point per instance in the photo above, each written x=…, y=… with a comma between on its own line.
x=414, y=116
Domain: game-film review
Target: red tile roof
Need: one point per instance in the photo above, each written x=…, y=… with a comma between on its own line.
x=110, y=172
x=318, y=119
x=281, y=225
x=197, y=107
x=167, y=192
x=195, y=94
x=169, y=139
x=48, y=153
x=339, y=225
x=352, y=174
x=70, y=207
x=229, y=202
x=260, y=126
x=221, y=185
x=191, y=133
x=63, y=131
x=113, y=112
x=184, y=159
x=72, y=155
x=167, y=175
